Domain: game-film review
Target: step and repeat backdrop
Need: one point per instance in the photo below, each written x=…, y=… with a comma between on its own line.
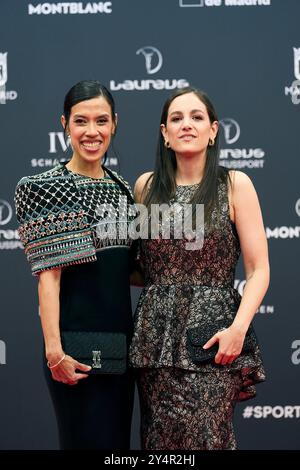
x=246, y=55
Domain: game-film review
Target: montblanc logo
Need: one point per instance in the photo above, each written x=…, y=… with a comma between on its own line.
x=225, y=3
x=4, y=94
x=238, y=157
x=70, y=8
x=153, y=58
x=294, y=88
x=153, y=63
x=283, y=232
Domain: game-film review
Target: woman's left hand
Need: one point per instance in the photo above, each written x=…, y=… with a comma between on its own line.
x=230, y=344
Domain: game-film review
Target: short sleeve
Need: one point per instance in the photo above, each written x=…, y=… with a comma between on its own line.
x=53, y=227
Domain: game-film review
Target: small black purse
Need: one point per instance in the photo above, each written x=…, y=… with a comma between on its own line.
x=199, y=335
x=105, y=352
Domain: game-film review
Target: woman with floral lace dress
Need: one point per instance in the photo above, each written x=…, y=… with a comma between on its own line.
x=187, y=404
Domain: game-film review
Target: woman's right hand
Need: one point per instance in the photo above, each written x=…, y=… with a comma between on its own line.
x=65, y=371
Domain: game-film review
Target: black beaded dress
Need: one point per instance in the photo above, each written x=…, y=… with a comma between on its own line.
x=94, y=291
x=184, y=405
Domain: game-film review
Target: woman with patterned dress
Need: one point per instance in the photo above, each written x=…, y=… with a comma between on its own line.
x=187, y=404
x=83, y=276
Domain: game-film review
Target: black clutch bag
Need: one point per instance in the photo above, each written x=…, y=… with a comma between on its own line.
x=198, y=336
x=105, y=352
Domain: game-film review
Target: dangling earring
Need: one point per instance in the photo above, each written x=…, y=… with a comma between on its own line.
x=167, y=144
x=211, y=142
x=69, y=142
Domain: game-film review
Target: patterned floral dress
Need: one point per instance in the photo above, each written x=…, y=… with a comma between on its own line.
x=184, y=405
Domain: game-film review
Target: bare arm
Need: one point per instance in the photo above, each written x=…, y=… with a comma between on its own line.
x=250, y=228
x=140, y=190
x=48, y=290
x=246, y=213
x=141, y=186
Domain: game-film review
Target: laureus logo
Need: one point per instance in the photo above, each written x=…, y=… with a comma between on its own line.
x=9, y=238
x=153, y=63
x=231, y=129
x=237, y=157
x=5, y=212
x=153, y=58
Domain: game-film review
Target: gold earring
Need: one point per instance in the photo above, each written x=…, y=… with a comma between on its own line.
x=167, y=144
x=211, y=142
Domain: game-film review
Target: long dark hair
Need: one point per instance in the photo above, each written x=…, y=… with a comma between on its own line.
x=163, y=181
x=86, y=90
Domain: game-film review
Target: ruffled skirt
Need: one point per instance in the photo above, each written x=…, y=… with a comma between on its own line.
x=163, y=315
